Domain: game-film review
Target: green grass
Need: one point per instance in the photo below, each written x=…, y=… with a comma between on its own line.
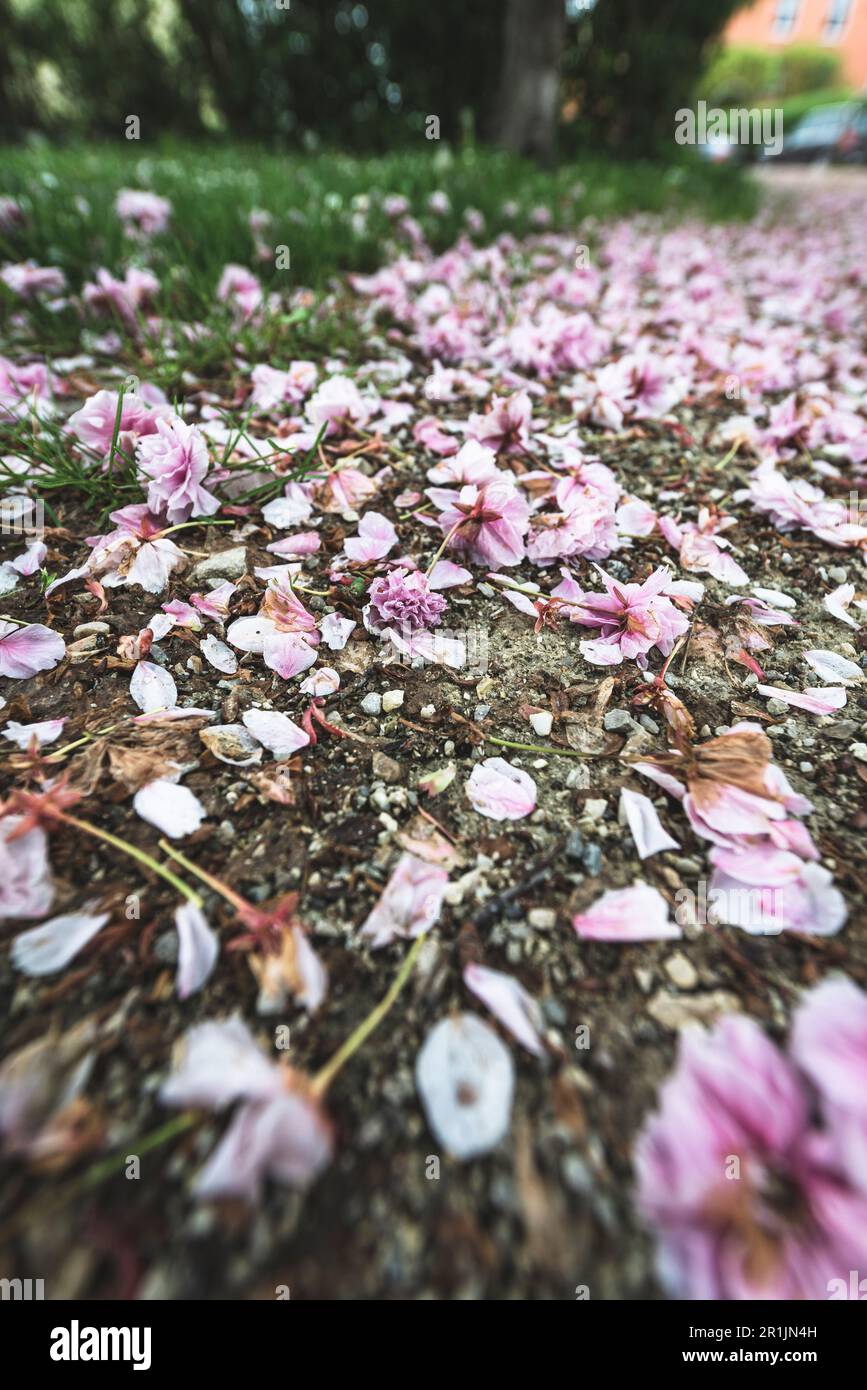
x=327, y=208
x=312, y=200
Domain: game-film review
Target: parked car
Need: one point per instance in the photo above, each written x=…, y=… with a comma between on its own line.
x=834, y=134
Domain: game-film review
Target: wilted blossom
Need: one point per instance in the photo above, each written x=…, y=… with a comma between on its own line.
x=142, y=212
x=487, y=521
x=410, y=902
x=403, y=599
x=175, y=460
x=25, y=390
x=136, y=552
x=500, y=791
x=751, y=1170
x=28, y=649
x=26, y=889
x=633, y=618
x=798, y=503
x=701, y=548
x=279, y=1129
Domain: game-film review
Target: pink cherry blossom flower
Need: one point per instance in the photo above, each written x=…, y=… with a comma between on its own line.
x=488, y=521
x=239, y=288
x=279, y=1130
x=505, y=427
x=410, y=902
x=126, y=298
x=142, y=212
x=26, y=650
x=175, y=460
x=829, y=1044
x=93, y=425
x=30, y=280
x=403, y=599
x=273, y=388
x=765, y=891
x=634, y=618
x=733, y=1097
x=639, y=913
x=500, y=791
x=337, y=404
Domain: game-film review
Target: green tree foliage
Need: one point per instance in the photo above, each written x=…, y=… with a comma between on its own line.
x=630, y=65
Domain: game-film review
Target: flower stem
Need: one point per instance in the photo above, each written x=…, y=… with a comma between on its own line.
x=536, y=748
x=457, y=526
x=133, y=852
x=215, y=883
x=324, y=1078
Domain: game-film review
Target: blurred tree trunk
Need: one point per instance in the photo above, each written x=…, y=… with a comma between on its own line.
x=529, y=97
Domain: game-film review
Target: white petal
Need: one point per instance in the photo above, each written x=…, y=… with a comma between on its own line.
x=276, y=731
x=466, y=1078
x=218, y=654
x=171, y=808
x=46, y=949
x=640, y=813
x=152, y=687
x=198, y=948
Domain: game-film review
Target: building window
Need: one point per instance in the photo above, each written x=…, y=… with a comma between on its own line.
x=838, y=14
x=785, y=17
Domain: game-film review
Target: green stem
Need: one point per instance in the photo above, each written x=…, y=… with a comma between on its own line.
x=219, y=887
x=536, y=748
x=356, y=1039
x=140, y=855
x=457, y=526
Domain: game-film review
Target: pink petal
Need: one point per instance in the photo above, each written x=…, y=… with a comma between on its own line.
x=500, y=791
x=639, y=913
x=219, y=1062
x=287, y=654
x=26, y=650
x=824, y=701
x=509, y=1002
x=410, y=902
x=466, y=1079
x=23, y=734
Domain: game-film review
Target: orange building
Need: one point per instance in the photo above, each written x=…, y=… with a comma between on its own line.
x=840, y=25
